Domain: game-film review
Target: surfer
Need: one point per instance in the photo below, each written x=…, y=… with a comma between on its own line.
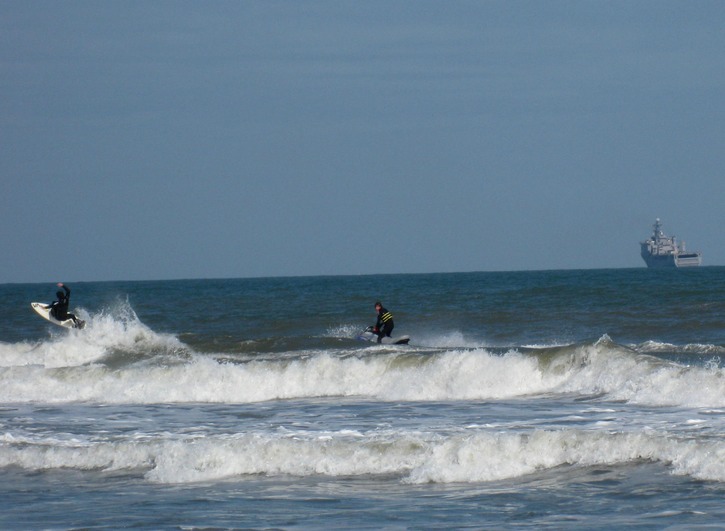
x=384, y=325
x=59, y=308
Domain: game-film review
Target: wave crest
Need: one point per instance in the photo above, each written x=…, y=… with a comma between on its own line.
x=111, y=332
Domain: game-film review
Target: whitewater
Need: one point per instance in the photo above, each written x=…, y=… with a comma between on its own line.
x=551, y=399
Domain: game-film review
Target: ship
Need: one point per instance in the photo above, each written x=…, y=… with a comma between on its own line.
x=664, y=251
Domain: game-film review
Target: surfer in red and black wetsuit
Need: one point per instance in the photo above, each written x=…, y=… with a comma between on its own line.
x=384, y=325
x=59, y=308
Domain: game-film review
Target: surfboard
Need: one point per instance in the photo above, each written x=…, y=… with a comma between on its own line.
x=367, y=335
x=402, y=340
x=44, y=311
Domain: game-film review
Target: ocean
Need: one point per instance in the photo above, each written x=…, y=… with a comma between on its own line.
x=542, y=399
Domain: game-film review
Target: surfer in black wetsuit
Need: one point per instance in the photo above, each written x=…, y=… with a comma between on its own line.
x=384, y=325
x=59, y=308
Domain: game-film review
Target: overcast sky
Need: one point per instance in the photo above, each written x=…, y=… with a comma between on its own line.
x=158, y=140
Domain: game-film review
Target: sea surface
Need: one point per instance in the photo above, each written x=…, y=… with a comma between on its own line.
x=544, y=400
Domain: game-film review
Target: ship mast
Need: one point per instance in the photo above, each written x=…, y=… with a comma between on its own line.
x=657, y=231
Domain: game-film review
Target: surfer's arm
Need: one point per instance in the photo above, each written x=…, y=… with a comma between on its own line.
x=65, y=288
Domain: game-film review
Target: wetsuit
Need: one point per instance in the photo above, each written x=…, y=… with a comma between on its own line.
x=384, y=325
x=59, y=308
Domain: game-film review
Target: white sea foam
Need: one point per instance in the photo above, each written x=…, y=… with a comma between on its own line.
x=487, y=456
x=655, y=347
x=416, y=457
x=622, y=375
x=389, y=375
x=116, y=329
x=350, y=331
x=454, y=375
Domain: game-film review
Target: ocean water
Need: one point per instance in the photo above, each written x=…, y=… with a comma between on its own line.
x=559, y=400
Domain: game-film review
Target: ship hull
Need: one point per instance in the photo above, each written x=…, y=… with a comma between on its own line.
x=659, y=261
x=665, y=261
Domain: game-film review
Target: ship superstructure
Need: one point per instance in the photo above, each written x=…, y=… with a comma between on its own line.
x=664, y=251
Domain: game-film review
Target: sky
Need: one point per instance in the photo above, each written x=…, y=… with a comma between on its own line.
x=146, y=140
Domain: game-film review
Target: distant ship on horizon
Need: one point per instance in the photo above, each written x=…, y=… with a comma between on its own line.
x=664, y=251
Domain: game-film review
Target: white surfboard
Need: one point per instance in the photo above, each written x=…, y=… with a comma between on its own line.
x=44, y=311
x=367, y=335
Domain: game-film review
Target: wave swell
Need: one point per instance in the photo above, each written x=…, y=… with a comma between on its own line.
x=120, y=360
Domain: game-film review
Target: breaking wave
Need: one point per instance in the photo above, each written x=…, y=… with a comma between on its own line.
x=120, y=360
x=415, y=457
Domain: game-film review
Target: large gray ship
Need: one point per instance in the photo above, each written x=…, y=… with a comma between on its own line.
x=664, y=251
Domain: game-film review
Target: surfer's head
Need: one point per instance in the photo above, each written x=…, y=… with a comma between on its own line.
x=59, y=294
x=378, y=305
